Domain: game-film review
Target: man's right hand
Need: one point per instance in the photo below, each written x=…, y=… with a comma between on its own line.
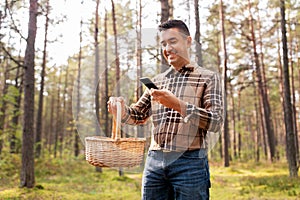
x=112, y=105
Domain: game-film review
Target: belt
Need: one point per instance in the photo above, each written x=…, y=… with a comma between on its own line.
x=174, y=151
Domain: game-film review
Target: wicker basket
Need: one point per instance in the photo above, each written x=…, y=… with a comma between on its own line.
x=115, y=151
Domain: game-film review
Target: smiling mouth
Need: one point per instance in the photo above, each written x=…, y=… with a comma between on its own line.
x=171, y=56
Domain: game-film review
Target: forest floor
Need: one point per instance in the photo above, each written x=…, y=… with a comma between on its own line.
x=76, y=179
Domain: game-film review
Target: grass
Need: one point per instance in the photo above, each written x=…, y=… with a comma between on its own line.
x=74, y=179
x=245, y=181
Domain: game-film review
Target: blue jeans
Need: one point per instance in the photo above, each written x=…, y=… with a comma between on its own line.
x=176, y=175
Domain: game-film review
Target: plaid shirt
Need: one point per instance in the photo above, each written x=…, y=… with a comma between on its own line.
x=201, y=90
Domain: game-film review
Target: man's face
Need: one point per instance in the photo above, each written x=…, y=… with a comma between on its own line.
x=175, y=47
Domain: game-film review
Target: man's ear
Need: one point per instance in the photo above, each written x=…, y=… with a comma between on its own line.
x=189, y=41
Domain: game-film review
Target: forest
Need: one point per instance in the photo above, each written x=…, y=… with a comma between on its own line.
x=61, y=60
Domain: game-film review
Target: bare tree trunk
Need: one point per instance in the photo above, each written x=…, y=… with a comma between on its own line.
x=63, y=123
x=290, y=138
x=239, y=120
x=117, y=62
x=165, y=15
x=107, y=132
x=296, y=113
x=171, y=9
x=235, y=155
x=258, y=132
x=76, y=142
x=96, y=78
x=198, y=34
x=226, y=123
x=139, y=71
x=51, y=125
x=188, y=8
x=27, y=169
x=263, y=94
x=16, y=110
x=3, y=104
x=293, y=89
x=58, y=117
x=39, y=121
x=96, y=81
x=139, y=89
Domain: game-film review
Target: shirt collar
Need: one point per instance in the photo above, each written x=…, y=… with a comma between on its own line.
x=186, y=68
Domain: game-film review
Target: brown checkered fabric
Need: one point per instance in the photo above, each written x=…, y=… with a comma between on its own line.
x=201, y=90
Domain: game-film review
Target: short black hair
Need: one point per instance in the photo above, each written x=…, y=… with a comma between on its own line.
x=175, y=23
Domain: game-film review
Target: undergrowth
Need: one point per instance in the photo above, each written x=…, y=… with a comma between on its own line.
x=75, y=179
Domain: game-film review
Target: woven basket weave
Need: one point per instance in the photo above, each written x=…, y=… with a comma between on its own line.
x=115, y=151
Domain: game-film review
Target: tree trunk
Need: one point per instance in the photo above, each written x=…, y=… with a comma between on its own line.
x=198, y=34
x=64, y=117
x=3, y=104
x=117, y=61
x=226, y=123
x=139, y=88
x=27, y=169
x=16, y=111
x=239, y=121
x=171, y=9
x=39, y=121
x=107, y=132
x=258, y=130
x=96, y=78
x=262, y=92
x=288, y=115
x=76, y=142
x=233, y=121
x=51, y=124
x=293, y=89
x=58, y=117
x=121, y=173
x=165, y=15
x=96, y=81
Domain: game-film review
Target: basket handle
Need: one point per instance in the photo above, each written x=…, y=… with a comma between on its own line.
x=116, y=130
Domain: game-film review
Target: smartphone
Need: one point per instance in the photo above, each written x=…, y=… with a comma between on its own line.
x=148, y=83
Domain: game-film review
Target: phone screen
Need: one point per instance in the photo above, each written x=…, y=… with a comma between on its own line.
x=148, y=83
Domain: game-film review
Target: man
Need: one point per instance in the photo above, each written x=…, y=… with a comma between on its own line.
x=186, y=106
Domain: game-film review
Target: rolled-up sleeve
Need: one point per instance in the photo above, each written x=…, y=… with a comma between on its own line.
x=210, y=116
x=139, y=112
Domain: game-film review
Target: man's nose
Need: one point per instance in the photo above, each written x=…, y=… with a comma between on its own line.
x=169, y=47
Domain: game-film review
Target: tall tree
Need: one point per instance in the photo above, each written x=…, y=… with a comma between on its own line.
x=97, y=60
x=57, y=132
x=96, y=78
x=106, y=72
x=27, y=169
x=226, y=129
x=262, y=92
x=3, y=104
x=165, y=15
x=39, y=121
x=117, y=60
x=288, y=115
x=138, y=51
x=78, y=97
x=139, y=89
x=198, y=34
